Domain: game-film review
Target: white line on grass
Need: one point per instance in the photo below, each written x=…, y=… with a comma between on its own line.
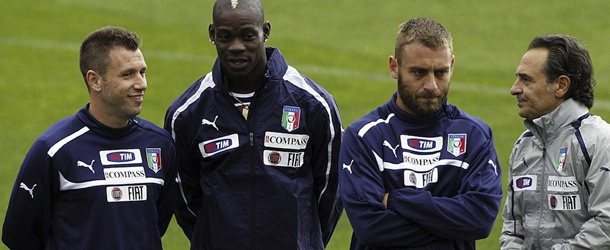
x=336, y=72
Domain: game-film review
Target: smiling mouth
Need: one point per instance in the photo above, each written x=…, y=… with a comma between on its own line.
x=137, y=97
x=238, y=62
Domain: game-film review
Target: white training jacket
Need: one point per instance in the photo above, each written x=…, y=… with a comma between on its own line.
x=558, y=194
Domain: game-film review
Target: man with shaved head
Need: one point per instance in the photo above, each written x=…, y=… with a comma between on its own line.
x=258, y=144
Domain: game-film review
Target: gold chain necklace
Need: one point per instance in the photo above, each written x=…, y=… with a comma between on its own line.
x=244, y=112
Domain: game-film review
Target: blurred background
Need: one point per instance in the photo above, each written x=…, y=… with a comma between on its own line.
x=343, y=45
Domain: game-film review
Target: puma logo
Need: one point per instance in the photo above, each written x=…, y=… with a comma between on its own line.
x=31, y=190
x=493, y=165
x=387, y=144
x=89, y=166
x=207, y=122
x=348, y=167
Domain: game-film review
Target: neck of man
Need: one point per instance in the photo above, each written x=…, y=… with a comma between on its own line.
x=248, y=84
x=98, y=112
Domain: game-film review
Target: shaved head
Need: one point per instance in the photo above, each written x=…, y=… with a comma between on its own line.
x=239, y=33
x=226, y=5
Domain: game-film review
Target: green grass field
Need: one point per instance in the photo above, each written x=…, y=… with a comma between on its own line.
x=343, y=45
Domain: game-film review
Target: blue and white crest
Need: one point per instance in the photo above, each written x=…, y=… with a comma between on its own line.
x=561, y=160
x=456, y=144
x=291, y=117
x=153, y=155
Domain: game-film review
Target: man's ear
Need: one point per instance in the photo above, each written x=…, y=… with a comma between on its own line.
x=393, y=66
x=94, y=80
x=562, y=86
x=452, y=63
x=212, y=33
x=266, y=30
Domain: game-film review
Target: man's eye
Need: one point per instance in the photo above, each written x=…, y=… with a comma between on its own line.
x=419, y=72
x=441, y=73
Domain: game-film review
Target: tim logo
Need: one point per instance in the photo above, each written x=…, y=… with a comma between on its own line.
x=121, y=157
x=214, y=146
x=525, y=182
x=421, y=144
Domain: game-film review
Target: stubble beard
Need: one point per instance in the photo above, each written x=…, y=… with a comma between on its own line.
x=420, y=107
x=117, y=106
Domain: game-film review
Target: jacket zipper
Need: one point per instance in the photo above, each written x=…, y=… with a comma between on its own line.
x=253, y=155
x=542, y=192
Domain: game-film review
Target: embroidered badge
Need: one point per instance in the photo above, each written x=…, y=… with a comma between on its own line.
x=126, y=193
x=525, y=182
x=422, y=144
x=153, y=155
x=456, y=144
x=291, y=117
x=217, y=145
x=120, y=157
x=561, y=160
x=564, y=202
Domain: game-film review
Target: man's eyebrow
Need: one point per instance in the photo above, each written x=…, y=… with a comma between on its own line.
x=245, y=27
x=522, y=75
x=417, y=68
x=426, y=69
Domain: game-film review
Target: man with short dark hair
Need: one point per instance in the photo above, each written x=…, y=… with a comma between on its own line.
x=559, y=177
x=418, y=173
x=258, y=145
x=102, y=178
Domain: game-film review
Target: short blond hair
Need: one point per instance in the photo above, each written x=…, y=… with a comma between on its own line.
x=426, y=31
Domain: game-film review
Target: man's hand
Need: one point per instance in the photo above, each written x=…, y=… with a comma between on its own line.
x=385, y=200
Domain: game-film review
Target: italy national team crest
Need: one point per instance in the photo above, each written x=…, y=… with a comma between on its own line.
x=456, y=144
x=153, y=155
x=561, y=160
x=291, y=118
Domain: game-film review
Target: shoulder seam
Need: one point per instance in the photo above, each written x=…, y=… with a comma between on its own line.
x=205, y=83
x=372, y=124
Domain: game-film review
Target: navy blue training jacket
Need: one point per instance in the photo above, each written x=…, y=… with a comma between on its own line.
x=268, y=182
x=84, y=185
x=441, y=173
